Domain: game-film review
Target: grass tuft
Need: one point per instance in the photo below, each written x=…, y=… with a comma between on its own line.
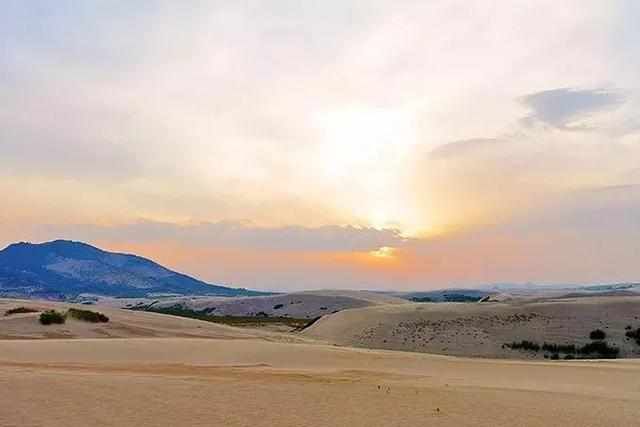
x=20, y=310
x=88, y=315
x=50, y=317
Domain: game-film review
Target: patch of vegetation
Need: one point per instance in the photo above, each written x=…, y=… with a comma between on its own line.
x=278, y=306
x=524, y=345
x=50, y=317
x=634, y=334
x=599, y=348
x=87, y=315
x=261, y=319
x=460, y=298
x=559, y=348
x=20, y=310
x=597, y=334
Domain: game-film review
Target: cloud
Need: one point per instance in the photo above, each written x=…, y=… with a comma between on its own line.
x=585, y=236
x=561, y=107
x=236, y=235
x=455, y=149
x=208, y=113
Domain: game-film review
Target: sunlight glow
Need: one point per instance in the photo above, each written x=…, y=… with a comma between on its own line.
x=384, y=252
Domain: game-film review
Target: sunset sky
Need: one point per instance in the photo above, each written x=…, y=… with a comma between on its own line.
x=290, y=145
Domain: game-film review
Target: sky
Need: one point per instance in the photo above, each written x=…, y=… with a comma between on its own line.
x=287, y=145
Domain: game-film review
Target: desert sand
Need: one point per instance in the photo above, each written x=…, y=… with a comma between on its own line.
x=481, y=329
x=122, y=324
x=252, y=382
x=308, y=304
x=158, y=370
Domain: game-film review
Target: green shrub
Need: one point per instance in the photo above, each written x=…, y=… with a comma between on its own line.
x=278, y=306
x=559, y=348
x=88, y=315
x=597, y=334
x=634, y=334
x=524, y=345
x=20, y=310
x=51, y=316
x=601, y=349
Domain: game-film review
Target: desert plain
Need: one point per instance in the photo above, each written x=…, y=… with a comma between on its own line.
x=150, y=369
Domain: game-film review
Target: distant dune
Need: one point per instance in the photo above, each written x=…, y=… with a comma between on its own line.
x=298, y=305
x=481, y=329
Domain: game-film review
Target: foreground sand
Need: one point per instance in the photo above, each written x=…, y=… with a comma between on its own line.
x=253, y=382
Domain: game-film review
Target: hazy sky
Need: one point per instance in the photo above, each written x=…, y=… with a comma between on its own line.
x=362, y=144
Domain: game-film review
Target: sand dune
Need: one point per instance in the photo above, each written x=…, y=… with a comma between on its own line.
x=482, y=329
x=197, y=382
x=308, y=305
x=159, y=370
x=122, y=324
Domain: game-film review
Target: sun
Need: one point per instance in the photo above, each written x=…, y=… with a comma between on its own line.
x=384, y=252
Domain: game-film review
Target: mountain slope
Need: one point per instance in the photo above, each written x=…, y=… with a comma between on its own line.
x=64, y=269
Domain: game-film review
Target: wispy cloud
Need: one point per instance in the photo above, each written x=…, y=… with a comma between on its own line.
x=564, y=106
x=465, y=147
x=237, y=235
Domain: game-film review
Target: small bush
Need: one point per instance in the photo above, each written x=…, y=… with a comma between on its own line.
x=524, y=345
x=88, y=315
x=20, y=310
x=634, y=334
x=555, y=356
x=597, y=334
x=51, y=316
x=601, y=349
x=278, y=306
x=559, y=348
x=569, y=357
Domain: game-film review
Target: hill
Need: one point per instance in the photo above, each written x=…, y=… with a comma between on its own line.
x=64, y=269
x=301, y=305
x=485, y=329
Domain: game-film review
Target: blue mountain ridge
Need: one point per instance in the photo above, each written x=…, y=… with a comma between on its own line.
x=64, y=269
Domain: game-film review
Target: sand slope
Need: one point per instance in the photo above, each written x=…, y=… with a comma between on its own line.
x=475, y=329
x=122, y=324
x=197, y=382
x=308, y=305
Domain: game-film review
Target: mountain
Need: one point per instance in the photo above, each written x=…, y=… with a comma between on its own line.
x=65, y=269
